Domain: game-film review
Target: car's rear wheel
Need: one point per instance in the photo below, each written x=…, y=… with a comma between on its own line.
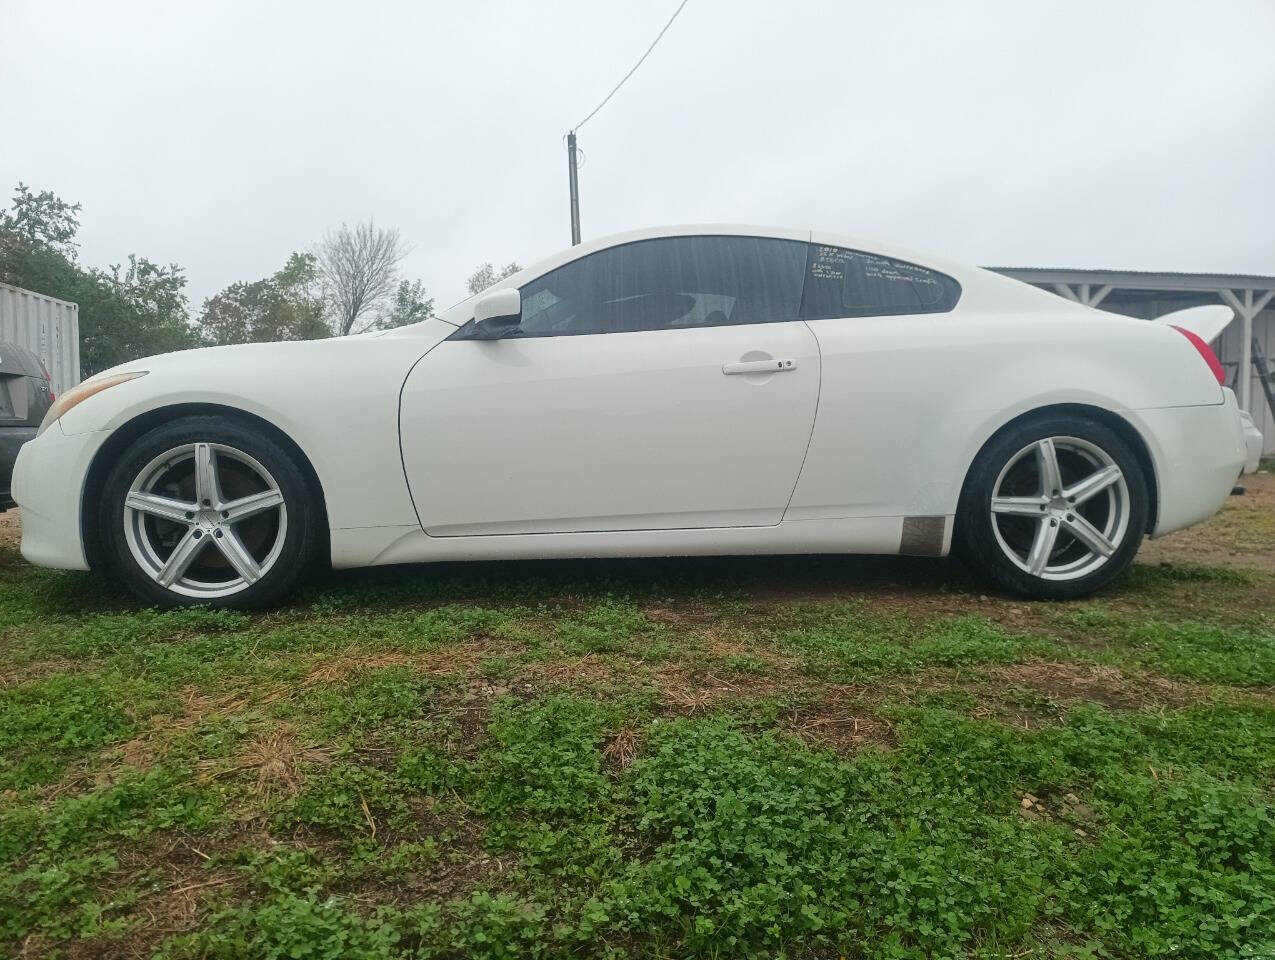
x=1054, y=507
x=205, y=510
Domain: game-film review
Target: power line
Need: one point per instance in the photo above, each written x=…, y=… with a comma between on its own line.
x=616, y=88
x=573, y=180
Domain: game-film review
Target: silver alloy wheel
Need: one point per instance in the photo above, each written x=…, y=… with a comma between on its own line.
x=200, y=494
x=1060, y=508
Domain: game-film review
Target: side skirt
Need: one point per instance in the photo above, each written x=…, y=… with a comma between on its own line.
x=923, y=536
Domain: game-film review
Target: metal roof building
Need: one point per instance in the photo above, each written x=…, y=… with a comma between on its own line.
x=1248, y=341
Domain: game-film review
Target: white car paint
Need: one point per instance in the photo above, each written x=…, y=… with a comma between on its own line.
x=1206, y=322
x=631, y=431
x=634, y=444
x=1253, y=442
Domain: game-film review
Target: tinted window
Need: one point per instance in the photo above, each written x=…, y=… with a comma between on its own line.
x=851, y=283
x=668, y=283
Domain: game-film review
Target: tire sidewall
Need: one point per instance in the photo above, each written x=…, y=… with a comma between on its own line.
x=298, y=549
x=976, y=538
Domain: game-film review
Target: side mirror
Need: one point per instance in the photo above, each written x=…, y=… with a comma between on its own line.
x=497, y=315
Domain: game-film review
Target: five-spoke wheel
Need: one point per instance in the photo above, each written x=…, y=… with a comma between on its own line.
x=206, y=511
x=205, y=520
x=1060, y=508
x=1053, y=507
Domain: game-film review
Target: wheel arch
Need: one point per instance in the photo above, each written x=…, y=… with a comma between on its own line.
x=126, y=433
x=1108, y=418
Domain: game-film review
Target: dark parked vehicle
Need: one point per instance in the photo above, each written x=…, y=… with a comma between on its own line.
x=25, y=397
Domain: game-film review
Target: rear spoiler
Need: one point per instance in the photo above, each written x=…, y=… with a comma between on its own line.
x=1205, y=322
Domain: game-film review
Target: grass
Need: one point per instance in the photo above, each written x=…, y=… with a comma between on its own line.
x=730, y=758
x=849, y=643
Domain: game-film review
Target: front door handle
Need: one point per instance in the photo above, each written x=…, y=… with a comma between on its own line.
x=759, y=366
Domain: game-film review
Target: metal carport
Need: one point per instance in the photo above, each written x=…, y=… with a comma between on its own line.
x=1149, y=295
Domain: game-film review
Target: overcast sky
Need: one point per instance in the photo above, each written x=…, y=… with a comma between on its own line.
x=1131, y=134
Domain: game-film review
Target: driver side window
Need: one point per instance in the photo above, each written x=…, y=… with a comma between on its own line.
x=668, y=283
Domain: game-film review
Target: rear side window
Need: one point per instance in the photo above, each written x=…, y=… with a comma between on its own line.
x=668, y=283
x=852, y=283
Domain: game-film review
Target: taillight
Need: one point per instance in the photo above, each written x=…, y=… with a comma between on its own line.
x=1206, y=352
x=48, y=378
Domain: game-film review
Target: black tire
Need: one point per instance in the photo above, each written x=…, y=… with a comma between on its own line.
x=976, y=539
x=299, y=517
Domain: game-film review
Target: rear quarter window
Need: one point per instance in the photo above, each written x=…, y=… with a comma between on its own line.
x=854, y=283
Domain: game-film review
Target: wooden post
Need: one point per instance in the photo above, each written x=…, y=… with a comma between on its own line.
x=1246, y=310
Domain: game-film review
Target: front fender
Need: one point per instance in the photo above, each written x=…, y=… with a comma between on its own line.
x=337, y=400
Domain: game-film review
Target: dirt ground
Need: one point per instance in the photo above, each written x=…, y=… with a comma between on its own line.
x=1241, y=535
x=10, y=526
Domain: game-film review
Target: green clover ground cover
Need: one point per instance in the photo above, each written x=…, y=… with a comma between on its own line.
x=606, y=761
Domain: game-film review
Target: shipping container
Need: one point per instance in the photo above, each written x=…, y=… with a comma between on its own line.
x=48, y=327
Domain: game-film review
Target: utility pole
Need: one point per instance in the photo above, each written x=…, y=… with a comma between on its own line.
x=572, y=167
x=573, y=177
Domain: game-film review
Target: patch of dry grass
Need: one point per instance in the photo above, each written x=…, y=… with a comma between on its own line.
x=273, y=763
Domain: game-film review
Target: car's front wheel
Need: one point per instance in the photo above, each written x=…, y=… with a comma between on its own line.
x=207, y=510
x=1054, y=507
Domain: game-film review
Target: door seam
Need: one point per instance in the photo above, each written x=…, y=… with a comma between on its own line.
x=813, y=420
x=402, y=458
x=801, y=300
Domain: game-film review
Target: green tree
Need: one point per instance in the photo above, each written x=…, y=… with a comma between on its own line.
x=131, y=312
x=288, y=305
x=486, y=275
x=35, y=266
x=37, y=243
x=125, y=312
x=409, y=305
x=42, y=219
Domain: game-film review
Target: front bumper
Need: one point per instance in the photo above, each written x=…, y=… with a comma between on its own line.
x=48, y=484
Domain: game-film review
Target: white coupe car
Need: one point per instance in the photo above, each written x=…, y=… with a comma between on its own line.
x=695, y=390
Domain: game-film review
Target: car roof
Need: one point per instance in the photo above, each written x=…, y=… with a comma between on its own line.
x=744, y=230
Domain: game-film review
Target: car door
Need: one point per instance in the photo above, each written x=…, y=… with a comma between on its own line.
x=661, y=384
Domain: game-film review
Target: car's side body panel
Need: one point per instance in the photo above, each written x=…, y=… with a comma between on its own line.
x=870, y=535
x=947, y=382
x=624, y=431
x=1196, y=452
x=875, y=393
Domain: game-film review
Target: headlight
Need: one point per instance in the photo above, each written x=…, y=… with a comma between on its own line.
x=77, y=395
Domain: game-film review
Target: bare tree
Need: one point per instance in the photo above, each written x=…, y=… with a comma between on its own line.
x=360, y=269
x=486, y=275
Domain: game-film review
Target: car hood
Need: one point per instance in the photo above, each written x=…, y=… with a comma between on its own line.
x=411, y=342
